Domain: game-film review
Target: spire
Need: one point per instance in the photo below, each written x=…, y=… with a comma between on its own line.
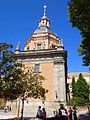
x=45, y=10
x=44, y=15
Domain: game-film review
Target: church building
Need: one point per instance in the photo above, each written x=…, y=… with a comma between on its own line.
x=44, y=52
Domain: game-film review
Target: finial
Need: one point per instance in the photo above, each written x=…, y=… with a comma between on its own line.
x=61, y=42
x=45, y=10
x=18, y=47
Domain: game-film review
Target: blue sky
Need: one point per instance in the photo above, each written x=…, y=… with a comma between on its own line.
x=19, y=19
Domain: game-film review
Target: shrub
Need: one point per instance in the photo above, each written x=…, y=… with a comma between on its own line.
x=61, y=106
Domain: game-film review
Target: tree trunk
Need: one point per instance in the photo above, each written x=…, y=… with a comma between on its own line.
x=22, y=109
x=18, y=109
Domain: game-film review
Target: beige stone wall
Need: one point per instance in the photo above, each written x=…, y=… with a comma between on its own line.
x=47, y=72
x=44, y=39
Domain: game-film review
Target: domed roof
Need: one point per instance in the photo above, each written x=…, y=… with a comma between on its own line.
x=43, y=37
x=44, y=29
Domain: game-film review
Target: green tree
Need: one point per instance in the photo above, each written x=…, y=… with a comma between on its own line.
x=15, y=81
x=10, y=87
x=79, y=14
x=73, y=87
x=32, y=86
x=82, y=89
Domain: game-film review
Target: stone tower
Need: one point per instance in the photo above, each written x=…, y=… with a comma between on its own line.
x=44, y=52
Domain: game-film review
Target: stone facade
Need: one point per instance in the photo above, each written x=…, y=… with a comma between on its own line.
x=44, y=52
x=52, y=66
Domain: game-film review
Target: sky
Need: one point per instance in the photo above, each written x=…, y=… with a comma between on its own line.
x=19, y=19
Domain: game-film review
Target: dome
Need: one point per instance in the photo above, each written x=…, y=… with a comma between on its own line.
x=44, y=29
x=43, y=37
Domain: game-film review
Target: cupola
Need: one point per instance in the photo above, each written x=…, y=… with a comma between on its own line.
x=44, y=21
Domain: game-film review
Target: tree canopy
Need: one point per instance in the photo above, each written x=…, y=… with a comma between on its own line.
x=10, y=86
x=82, y=88
x=73, y=87
x=14, y=81
x=79, y=14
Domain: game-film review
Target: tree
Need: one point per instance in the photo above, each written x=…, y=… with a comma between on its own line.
x=82, y=89
x=15, y=81
x=79, y=14
x=32, y=86
x=10, y=87
x=73, y=87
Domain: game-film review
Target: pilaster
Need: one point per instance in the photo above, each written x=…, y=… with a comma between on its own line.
x=59, y=81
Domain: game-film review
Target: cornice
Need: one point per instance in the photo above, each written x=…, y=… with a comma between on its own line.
x=41, y=54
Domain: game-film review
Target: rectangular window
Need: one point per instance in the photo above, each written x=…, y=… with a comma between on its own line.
x=39, y=46
x=37, y=68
